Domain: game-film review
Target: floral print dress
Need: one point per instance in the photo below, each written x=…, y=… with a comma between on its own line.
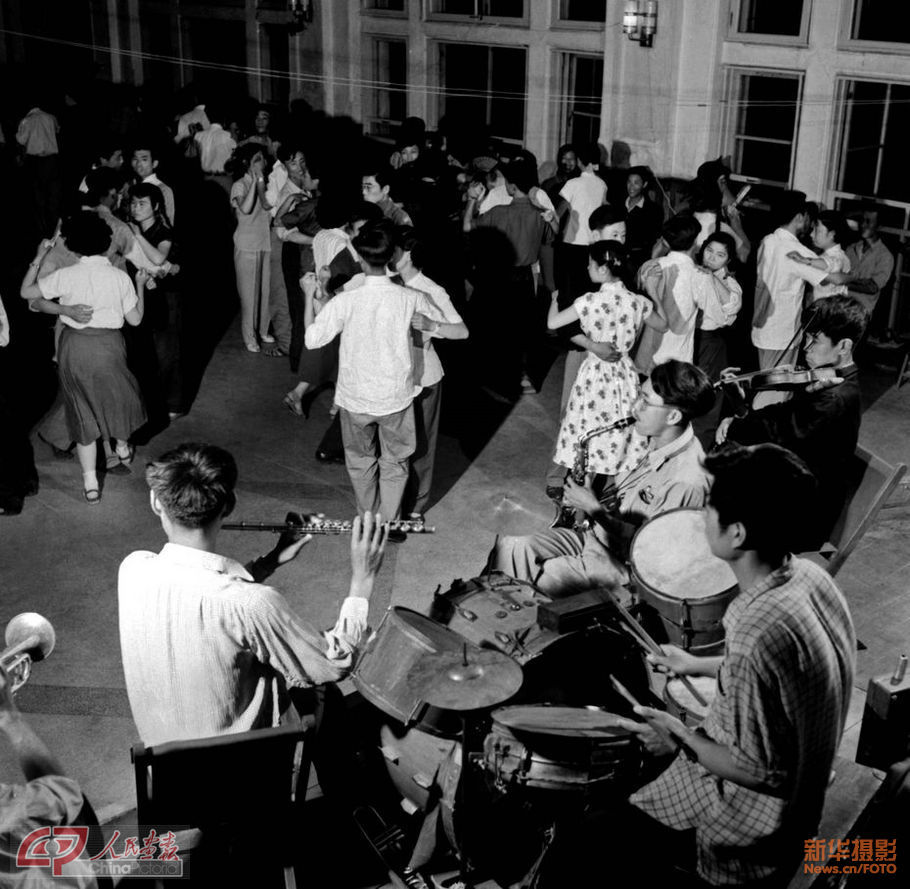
x=604, y=391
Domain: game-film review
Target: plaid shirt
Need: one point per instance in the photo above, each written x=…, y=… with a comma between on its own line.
x=782, y=694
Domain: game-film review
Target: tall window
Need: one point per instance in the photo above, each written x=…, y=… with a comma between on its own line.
x=771, y=20
x=761, y=128
x=582, y=86
x=388, y=90
x=485, y=84
x=881, y=21
x=871, y=167
x=479, y=9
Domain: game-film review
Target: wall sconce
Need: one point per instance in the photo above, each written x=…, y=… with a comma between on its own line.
x=639, y=21
x=301, y=13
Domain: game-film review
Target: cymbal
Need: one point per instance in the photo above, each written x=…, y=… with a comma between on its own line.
x=445, y=679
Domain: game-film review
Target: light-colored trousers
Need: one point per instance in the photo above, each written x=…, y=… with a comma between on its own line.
x=561, y=562
x=278, y=297
x=376, y=452
x=251, y=268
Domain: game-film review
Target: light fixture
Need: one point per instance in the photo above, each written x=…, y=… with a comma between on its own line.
x=301, y=13
x=639, y=21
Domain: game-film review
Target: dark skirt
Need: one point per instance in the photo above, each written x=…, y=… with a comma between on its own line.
x=319, y=367
x=100, y=395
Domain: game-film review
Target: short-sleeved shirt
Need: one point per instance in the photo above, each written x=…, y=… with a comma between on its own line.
x=37, y=133
x=94, y=282
x=584, y=194
x=522, y=223
x=252, y=232
x=783, y=690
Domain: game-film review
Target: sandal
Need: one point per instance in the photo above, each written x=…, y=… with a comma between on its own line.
x=293, y=404
x=130, y=455
x=272, y=351
x=92, y=496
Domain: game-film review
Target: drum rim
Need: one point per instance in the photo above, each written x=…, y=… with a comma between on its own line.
x=714, y=597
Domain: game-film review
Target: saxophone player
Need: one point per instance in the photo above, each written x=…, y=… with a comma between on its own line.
x=564, y=561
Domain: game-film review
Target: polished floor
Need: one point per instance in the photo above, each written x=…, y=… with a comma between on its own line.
x=60, y=557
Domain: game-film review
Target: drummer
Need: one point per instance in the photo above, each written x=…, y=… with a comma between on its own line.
x=564, y=561
x=753, y=779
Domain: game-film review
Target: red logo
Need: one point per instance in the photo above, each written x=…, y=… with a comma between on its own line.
x=52, y=846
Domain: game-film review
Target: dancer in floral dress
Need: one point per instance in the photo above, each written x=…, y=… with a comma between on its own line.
x=605, y=391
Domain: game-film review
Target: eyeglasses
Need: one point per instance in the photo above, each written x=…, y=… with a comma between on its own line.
x=643, y=400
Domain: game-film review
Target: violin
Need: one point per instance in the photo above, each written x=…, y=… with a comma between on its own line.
x=784, y=377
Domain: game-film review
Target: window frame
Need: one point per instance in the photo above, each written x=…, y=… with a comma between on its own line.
x=735, y=35
x=516, y=22
x=371, y=116
x=849, y=43
x=565, y=59
x=732, y=75
x=365, y=9
x=557, y=21
x=441, y=97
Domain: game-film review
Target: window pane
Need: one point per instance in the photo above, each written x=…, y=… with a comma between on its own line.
x=389, y=5
x=863, y=120
x=771, y=17
x=507, y=107
x=767, y=106
x=583, y=10
x=390, y=75
x=894, y=181
x=763, y=160
x=504, y=8
x=881, y=20
x=589, y=78
x=485, y=84
x=454, y=7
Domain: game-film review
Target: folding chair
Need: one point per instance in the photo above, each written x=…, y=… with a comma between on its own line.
x=242, y=795
x=871, y=481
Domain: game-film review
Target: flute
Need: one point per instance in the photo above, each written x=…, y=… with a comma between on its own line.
x=327, y=526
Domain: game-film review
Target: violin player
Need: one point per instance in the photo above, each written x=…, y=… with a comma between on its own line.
x=820, y=423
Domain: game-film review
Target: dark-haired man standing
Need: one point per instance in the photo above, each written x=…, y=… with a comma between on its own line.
x=376, y=381
x=753, y=781
x=208, y=648
x=563, y=561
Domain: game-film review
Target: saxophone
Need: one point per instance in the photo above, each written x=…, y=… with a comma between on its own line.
x=566, y=516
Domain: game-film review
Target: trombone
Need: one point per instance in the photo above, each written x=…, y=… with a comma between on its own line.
x=29, y=637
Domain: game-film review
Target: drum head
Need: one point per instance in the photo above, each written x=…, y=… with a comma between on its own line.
x=421, y=627
x=671, y=556
x=563, y=722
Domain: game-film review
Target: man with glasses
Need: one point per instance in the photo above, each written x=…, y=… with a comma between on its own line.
x=820, y=424
x=563, y=561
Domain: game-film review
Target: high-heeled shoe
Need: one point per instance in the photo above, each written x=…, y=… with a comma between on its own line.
x=294, y=404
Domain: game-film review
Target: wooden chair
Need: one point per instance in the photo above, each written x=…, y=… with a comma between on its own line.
x=871, y=482
x=237, y=801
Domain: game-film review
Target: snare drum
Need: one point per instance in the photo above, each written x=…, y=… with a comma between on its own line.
x=682, y=704
x=676, y=574
x=402, y=642
x=566, y=749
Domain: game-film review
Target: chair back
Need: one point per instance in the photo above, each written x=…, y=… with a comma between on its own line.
x=871, y=481
x=237, y=789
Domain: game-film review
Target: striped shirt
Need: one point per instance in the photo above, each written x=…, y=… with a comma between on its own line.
x=783, y=690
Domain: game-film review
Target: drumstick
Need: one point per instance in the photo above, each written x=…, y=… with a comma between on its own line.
x=660, y=731
x=650, y=644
